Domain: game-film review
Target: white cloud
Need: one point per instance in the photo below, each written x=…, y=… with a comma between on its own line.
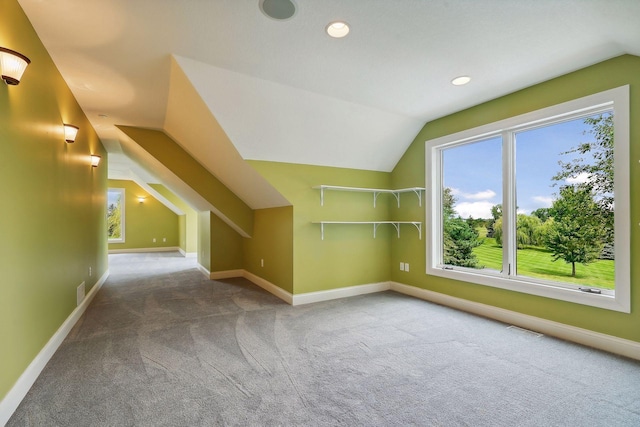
x=481, y=195
x=545, y=200
x=581, y=178
x=474, y=209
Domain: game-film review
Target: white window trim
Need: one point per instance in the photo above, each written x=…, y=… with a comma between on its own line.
x=122, y=215
x=615, y=99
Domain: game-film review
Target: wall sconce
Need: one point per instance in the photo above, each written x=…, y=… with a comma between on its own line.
x=95, y=160
x=70, y=133
x=141, y=199
x=12, y=65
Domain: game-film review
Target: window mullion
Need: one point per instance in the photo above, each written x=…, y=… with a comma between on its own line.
x=509, y=208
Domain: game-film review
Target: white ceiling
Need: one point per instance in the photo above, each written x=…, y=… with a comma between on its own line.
x=285, y=91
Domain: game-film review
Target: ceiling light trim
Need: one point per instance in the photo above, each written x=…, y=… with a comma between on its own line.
x=461, y=80
x=337, y=29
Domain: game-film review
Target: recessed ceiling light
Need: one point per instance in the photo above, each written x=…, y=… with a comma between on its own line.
x=462, y=80
x=102, y=116
x=337, y=29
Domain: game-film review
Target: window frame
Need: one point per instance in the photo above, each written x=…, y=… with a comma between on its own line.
x=122, y=214
x=616, y=100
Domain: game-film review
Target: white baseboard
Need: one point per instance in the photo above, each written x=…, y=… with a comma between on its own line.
x=306, y=298
x=227, y=274
x=139, y=250
x=190, y=254
x=311, y=297
x=10, y=403
x=586, y=337
x=268, y=286
x=204, y=270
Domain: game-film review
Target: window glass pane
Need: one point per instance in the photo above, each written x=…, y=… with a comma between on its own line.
x=472, y=204
x=564, y=190
x=115, y=211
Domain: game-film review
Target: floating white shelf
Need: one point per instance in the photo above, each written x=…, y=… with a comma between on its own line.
x=375, y=224
x=375, y=191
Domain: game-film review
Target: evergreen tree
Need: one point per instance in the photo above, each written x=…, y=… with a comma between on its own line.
x=459, y=237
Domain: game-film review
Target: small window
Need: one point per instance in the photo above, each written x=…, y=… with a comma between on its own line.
x=115, y=215
x=538, y=203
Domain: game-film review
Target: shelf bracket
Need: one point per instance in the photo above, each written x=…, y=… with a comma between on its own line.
x=419, y=227
x=321, y=231
x=321, y=196
x=419, y=194
x=397, y=196
x=397, y=226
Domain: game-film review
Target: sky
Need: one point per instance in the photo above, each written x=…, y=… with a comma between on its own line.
x=473, y=171
x=113, y=197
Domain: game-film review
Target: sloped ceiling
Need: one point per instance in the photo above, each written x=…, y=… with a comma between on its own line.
x=285, y=91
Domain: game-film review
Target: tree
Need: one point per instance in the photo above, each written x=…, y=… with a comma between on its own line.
x=542, y=213
x=597, y=166
x=448, y=202
x=528, y=231
x=114, y=216
x=497, y=231
x=576, y=234
x=496, y=211
x=459, y=237
x=496, y=214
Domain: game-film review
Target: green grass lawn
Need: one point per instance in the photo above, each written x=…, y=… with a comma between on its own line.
x=537, y=262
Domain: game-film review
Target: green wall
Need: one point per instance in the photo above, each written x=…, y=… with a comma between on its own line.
x=269, y=252
x=411, y=171
x=226, y=246
x=178, y=161
x=348, y=255
x=145, y=221
x=54, y=230
x=187, y=223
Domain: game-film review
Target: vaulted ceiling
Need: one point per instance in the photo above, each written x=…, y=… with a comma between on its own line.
x=282, y=90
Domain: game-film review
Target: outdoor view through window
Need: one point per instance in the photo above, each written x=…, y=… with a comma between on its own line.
x=115, y=214
x=558, y=225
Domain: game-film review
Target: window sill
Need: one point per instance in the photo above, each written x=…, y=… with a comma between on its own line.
x=608, y=302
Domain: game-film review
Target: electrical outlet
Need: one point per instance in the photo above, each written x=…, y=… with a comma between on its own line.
x=406, y=266
x=164, y=239
x=154, y=240
x=402, y=266
x=90, y=271
x=262, y=263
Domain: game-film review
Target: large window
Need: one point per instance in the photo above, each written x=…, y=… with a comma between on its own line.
x=538, y=203
x=115, y=215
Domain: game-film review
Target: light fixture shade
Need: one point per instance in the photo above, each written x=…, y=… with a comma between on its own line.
x=141, y=199
x=95, y=160
x=70, y=133
x=12, y=65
